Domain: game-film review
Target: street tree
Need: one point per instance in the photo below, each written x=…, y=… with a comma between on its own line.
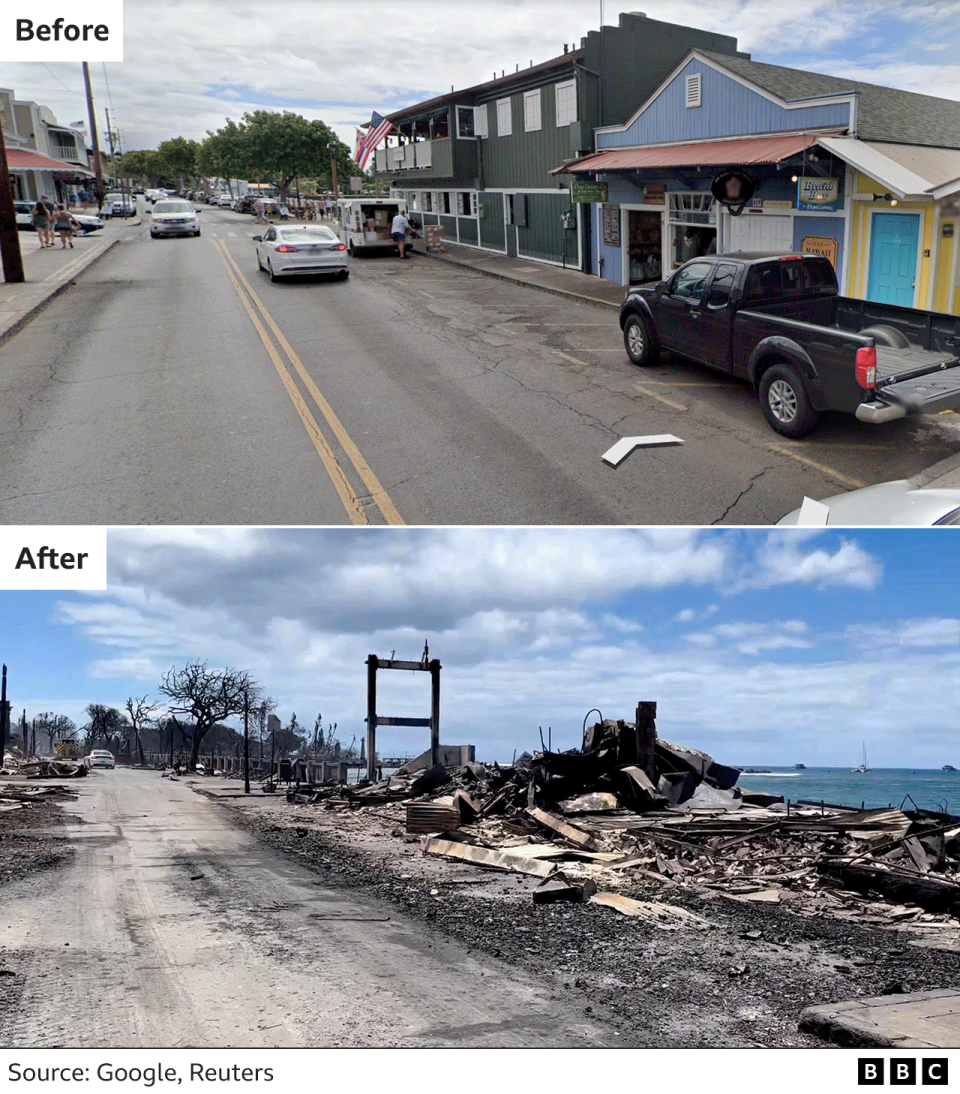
x=221, y=155
x=206, y=696
x=145, y=165
x=140, y=715
x=280, y=145
x=180, y=157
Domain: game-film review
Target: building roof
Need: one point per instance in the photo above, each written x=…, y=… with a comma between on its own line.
x=488, y=88
x=908, y=170
x=23, y=159
x=704, y=153
x=884, y=113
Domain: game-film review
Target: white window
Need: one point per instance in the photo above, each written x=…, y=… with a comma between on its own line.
x=427, y=202
x=531, y=110
x=465, y=204
x=693, y=90
x=566, y=102
x=480, y=120
x=504, y=118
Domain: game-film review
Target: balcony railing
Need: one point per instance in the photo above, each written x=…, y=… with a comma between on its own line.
x=436, y=155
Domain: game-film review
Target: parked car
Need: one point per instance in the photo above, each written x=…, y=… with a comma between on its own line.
x=287, y=252
x=172, y=217
x=778, y=321
x=99, y=757
x=88, y=222
x=898, y=503
x=119, y=205
x=224, y=199
x=245, y=204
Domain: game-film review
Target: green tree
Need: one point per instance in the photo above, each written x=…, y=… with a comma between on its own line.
x=146, y=165
x=180, y=156
x=222, y=154
x=279, y=146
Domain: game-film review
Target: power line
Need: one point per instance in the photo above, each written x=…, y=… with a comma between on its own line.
x=59, y=81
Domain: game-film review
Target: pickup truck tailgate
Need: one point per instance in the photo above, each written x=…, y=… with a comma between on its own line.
x=926, y=394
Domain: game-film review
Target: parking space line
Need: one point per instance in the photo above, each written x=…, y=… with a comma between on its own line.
x=659, y=398
x=575, y=360
x=847, y=480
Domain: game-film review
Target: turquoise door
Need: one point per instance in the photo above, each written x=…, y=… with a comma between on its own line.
x=894, y=238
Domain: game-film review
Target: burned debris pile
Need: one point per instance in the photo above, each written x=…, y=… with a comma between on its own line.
x=27, y=766
x=628, y=807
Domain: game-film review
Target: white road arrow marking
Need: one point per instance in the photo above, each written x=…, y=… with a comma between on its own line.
x=619, y=452
x=813, y=513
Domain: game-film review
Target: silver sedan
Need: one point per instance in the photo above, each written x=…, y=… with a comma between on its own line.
x=290, y=251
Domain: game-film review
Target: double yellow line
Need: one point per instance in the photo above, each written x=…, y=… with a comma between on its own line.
x=352, y=501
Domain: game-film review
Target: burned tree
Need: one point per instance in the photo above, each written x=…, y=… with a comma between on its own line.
x=206, y=696
x=139, y=715
x=55, y=727
x=106, y=724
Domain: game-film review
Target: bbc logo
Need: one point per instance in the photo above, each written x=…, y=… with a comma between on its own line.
x=902, y=1072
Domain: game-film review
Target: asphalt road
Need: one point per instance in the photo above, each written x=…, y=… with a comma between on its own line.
x=176, y=385
x=171, y=928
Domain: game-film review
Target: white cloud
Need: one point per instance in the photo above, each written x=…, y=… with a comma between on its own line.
x=782, y=561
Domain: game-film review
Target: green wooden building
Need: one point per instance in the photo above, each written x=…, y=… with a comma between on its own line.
x=478, y=160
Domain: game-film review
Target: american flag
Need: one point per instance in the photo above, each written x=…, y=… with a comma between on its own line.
x=376, y=133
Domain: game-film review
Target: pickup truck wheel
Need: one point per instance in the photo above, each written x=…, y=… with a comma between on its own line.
x=785, y=403
x=640, y=346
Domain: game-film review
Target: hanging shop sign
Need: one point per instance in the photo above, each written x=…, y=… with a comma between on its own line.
x=777, y=203
x=586, y=190
x=820, y=195
x=611, y=225
x=821, y=245
x=734, y=189
x=655, y=194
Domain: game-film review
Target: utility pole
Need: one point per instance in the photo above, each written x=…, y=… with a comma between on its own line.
x=9, y=236
x=332, y=149
x=246, y=742
x=113, y=155
x=92, y=114
x=4, y=713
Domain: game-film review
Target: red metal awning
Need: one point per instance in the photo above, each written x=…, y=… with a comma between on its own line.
x=23, y=159
x=705, y=154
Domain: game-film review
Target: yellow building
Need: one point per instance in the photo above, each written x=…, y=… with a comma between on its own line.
x=903, y=219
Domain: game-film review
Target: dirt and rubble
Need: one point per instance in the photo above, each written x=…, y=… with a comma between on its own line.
x=29, y=818
x=635, y=871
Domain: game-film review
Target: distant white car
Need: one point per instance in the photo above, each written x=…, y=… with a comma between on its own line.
x=174, y=217
x=99, y=757
x=119, y=205
x=291, y=251
x=224, y=199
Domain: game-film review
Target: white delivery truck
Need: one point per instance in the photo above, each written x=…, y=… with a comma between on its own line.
x=365, y=222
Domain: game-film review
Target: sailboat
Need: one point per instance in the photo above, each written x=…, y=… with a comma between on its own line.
x=863, y=766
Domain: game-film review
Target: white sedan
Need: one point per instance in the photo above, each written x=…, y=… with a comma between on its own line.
x=288, y=251
x=174, y=218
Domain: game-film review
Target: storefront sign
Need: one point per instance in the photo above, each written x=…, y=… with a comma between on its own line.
x=611, y=225
x=586, y=190
x=655, y=194
x=819, y=194
x=356, y=184
x=821, y=245
x=777, y=204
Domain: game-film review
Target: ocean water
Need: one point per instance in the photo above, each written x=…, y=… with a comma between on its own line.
x=875, y=789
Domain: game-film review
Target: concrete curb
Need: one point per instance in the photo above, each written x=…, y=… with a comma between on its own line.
x=937, y=471
x=595, y=301
x=923, y=1019
x=10, y=326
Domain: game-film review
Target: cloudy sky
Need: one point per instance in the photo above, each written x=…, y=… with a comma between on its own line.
x=760, y=647
x=191, y=63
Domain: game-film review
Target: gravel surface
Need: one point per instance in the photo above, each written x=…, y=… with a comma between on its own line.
x=743, y=982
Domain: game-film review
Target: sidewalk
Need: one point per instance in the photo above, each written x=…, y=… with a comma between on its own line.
x=923, y=1019
x=536, y=275
x=49, y=271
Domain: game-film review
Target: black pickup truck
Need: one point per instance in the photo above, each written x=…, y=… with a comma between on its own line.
x=778, y=321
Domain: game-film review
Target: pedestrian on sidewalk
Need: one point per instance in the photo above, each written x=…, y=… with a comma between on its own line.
x=260, y=209
x=328, y=207
x=399, y=231
x=66, y=224
x=41, y=221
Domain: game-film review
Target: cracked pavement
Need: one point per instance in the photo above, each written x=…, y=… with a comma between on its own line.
x=144, y=395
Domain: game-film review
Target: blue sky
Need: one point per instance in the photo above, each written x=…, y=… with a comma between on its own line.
x=341, y=59
x=760, y=647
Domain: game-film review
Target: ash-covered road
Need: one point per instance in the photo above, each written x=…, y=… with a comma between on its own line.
x=170, y=927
